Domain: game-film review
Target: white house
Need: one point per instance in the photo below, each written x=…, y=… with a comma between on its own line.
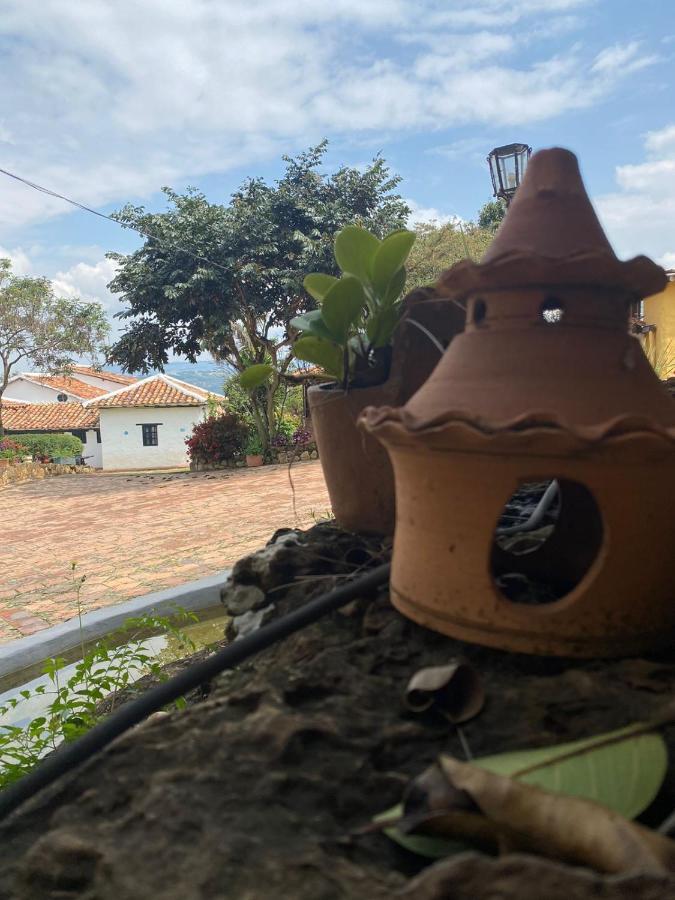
x=142, y=424
x=34, y=387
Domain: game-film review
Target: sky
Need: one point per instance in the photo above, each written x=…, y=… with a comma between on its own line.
x=106, y=101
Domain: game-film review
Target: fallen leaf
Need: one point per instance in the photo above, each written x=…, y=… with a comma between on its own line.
x=462, y=801
x=455, y=690
x=621, y=769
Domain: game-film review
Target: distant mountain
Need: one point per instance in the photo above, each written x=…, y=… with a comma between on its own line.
x=205, y=374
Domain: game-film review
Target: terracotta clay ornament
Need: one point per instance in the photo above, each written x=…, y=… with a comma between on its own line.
x=545, y=383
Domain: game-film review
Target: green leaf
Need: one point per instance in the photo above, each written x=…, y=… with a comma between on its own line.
x=320, y=352
x=380, y=327
x=422, y=844
x=355, y=249
x=317, y=284
x=390, y=258
x=313, y=322
x=254, y=376
x=342, y=307
x=624, y=775
x=395, y=287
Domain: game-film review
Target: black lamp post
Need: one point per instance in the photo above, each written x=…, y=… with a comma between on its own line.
x=507, y=167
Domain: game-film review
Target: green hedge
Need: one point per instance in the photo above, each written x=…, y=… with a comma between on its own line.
x=40, y=445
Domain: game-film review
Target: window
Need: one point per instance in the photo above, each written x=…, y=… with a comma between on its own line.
x=149, y=435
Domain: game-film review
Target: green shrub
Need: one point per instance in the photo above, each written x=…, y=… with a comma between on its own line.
x=41, y=445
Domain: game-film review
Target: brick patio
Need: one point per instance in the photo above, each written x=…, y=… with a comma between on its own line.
x=132, y=534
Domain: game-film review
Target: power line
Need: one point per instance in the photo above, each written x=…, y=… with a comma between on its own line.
x=94, y=212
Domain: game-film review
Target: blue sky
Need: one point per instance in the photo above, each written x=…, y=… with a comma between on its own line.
x=107, y=100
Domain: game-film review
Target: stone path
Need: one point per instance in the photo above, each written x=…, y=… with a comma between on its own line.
x=132, y=534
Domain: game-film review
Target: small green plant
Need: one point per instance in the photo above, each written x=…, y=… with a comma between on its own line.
x=105, y=670
x=349, y=336
x=254, y=445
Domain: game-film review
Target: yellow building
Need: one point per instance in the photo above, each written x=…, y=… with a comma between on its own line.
x=659, y=342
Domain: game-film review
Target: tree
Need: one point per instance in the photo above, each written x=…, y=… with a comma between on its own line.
x=38, y=327
x=491, y=214
x=238, y=298
x=440, y=246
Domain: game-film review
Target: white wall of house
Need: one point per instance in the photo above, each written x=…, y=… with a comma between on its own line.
x=92, y=450
x=122, y=436
x=33, y=392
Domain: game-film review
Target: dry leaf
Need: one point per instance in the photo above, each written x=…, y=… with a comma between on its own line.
x=462, y=801
x=455, y=690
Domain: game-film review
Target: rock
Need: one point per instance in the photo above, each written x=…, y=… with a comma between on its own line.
x=305, y=454
x=521, y=877
x=242, y=598
x=251, y=621
x=314, y=454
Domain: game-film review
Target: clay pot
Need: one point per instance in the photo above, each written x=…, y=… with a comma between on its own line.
x=356, y=466
x=357, y=469
x=545, y=383
x=253, y=460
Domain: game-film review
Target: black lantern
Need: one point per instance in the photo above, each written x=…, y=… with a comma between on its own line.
x=507, y=167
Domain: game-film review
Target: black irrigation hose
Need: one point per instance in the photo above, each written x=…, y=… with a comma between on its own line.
x=68, y=756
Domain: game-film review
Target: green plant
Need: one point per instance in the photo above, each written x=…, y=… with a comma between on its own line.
x=662, y=359
x=105, y=670
x=349, y=336
x=254, y=445
x=48, y=445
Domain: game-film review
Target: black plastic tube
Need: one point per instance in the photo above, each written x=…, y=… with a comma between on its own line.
x=68, y=756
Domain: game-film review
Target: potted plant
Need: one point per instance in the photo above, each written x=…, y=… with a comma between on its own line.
x=351, y=335
x=253, y=451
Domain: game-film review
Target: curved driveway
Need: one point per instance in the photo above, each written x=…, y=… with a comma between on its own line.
x=132, y=534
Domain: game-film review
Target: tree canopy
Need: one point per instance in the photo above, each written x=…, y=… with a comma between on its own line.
x=227, y=277
x=440, y=246
x=36, y=326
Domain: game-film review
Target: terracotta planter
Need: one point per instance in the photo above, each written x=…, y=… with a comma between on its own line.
x=358, y=473
x=5, y=462
x=253, y=460
x=357, y=469
x=525, y=396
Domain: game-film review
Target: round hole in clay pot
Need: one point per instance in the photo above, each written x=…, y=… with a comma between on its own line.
x=552, y=311
x=547, y=538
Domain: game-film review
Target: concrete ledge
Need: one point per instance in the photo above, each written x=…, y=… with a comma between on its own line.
x=58, y=640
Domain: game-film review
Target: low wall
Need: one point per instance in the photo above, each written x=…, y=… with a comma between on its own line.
x=30, y=471
x=280, y=456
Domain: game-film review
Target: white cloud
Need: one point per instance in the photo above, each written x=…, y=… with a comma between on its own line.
x=640, y=215
x=420, y=215
x=108, y=101
x=21, y=264
x=88, y=282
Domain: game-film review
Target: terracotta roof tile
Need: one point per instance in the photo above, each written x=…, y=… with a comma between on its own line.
x=68, y=385
x=47, y=416
x=158, y=390
x=104, y=373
